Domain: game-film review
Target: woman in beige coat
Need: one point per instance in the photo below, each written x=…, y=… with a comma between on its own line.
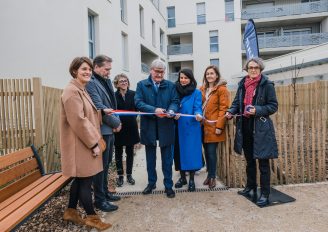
x=80, y=143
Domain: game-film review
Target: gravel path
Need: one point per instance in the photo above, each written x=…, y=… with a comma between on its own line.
x=201, y=211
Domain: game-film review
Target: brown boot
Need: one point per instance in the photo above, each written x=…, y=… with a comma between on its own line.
x=72, y=215
x=212, y=183
x=95, y=221
x=206, y=181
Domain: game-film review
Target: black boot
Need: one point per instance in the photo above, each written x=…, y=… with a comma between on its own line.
x=120, y=181
x=130, y=180
x=249, y=192
x=263, y=200
x=182, y=180
x=191, y=186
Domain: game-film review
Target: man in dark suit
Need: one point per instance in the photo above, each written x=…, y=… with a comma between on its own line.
x=156, y=95
x=102, y=94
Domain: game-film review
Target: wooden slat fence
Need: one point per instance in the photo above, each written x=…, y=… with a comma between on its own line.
x=17, y=129
x=302, y=139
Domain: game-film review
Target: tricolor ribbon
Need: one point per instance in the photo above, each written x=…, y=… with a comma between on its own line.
x=136, y=113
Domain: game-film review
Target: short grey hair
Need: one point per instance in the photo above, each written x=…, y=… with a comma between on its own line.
x=158, y=64
x=257, y=60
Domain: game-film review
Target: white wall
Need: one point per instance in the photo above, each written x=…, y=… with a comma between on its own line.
x=39, y=38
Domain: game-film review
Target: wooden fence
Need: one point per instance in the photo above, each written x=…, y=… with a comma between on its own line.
x=301, y=138
x=29, y=114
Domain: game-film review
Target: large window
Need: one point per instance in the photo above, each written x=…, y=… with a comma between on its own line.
x=201, y=13
x=215, y=62
x=153, y=32
x=91, y=35
x=229, y=10
x=141, y=21
x=214, y=41
x=123, y=10
x=125, y=55
x=171, y=16
x=161, y=40
x=300, y=31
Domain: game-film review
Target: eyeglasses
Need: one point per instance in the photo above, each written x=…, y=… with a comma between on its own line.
x=159, y=72
x=122, y=81
x=253, y=68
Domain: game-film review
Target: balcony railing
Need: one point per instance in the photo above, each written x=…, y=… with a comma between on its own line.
x=179, y=49
x=292, y=40
x=285, y=10
x=172, y=77
x=145, y=68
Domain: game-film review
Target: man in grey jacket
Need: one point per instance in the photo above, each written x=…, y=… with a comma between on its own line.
x=102, y=94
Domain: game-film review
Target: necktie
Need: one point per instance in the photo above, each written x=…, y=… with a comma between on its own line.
x=156, y=86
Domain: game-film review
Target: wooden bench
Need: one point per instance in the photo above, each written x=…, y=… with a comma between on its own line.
x=24, y=186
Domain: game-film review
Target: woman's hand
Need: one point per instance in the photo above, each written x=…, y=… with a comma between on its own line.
x=218, y=131
x=199, y=117
x=177, y=116
x=228, y=115
x=96, y=151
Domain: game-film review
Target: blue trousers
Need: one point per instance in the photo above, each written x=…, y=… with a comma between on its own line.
x=211, y=159
x=100, y=181
x=167, y=161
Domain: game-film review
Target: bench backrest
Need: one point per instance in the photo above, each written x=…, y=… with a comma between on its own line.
x=17, y=170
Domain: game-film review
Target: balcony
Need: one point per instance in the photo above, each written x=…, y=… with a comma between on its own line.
x=179, y=49
x=292, y=40
x=285, y=10
x=145, y=68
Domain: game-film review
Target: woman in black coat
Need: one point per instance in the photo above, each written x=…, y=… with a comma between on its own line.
x=255, y=100
x=129, y=134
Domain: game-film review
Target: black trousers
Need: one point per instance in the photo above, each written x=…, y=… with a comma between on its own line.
x=81, y=191
x=119, y=157
x=264, y=164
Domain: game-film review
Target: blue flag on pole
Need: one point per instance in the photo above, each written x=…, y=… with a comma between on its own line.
x=250, y=40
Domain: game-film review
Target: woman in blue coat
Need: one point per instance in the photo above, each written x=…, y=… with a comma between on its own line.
x=188, y=143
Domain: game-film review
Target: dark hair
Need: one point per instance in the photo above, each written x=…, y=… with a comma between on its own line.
x=101, y=59
x=76, y=64
x=188, y=72
x=216, y=70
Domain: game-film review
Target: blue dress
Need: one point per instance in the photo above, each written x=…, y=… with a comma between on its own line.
x=188, y=147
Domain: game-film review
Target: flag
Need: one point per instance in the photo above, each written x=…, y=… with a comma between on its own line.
x=250, y=40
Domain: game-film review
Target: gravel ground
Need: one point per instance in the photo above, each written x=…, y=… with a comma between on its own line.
x=200, y=211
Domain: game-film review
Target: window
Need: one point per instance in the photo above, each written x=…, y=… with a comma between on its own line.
x=214, y=62
x=153, y=29
x=229, y=10
x=161, y=40
x=265, y=34
x=310, y=1
x=214, y=41
x=301, y=31
x=123, y=10
x=125, y=55
x=91, y=32
x=171, y=16
x=141, y=21
x=201, y=13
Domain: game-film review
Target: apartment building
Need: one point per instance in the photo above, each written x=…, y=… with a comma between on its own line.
x=285, y=26
x=201, y=33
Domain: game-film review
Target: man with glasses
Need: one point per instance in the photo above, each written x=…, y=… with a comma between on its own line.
x=159, y=96
x=102, y=94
